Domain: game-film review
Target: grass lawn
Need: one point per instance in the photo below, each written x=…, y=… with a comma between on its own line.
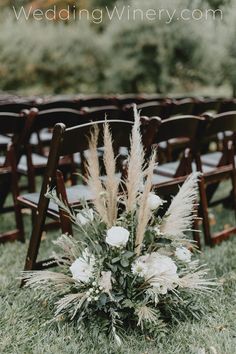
x=24, y=326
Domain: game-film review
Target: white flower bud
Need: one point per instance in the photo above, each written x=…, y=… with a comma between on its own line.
x=117, y=236
x=154, y=202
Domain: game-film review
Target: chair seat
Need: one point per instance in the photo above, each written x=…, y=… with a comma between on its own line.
x=173, y=142
x=159, y=179
x=227, y=134
x=4, y=140
x=75, y=195
x=45, y=137
x=169, y=169
x=38, y=161
x=77, y=157
x=2, y=160
x=212, y=159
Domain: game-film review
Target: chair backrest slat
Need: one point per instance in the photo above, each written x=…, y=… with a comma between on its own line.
x=48, y=118
x=221, y=123
x=11, y=123
x=14, y=107
x=57, y=104
x=180, y=127
x=100, y=113
x=76, y=139
x=183, y=107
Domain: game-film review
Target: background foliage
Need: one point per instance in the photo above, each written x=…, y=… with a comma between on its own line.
x=124, y=56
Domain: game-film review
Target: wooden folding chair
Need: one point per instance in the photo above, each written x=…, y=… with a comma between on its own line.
x=206, y=105
x=227, y=105
x=34, y=163
x=19, y=125
x=129, y=98
x=10, y=107
x=95, y=114
x=14, y=107
x=65, y=142
x=96, y=101
x=170, y=175
x=182, y=107
x=58, y=103
x=218, y=166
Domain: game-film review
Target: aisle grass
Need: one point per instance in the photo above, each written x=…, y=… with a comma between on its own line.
x=24, y=327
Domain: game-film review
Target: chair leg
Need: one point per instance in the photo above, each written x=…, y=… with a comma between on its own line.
x=15, y=193
x=5, y=188
x=48, y=182
x=66, y=225
x=234, y=190
x=36, y=234
x=204, y=211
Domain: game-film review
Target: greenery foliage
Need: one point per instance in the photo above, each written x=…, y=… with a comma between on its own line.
x=22, y=321
x=123, y=56
x=129, y=270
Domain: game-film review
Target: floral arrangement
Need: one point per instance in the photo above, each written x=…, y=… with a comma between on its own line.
x=128, y=268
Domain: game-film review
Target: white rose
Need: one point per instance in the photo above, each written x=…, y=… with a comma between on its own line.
x=85, y=216
x=117, y=236
x=82, y=268
x=154, y=201
x=159, y=270
x=183, y=254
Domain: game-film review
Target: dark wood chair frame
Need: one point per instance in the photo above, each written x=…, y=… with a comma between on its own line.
x=64, y=142
x=188, y=128
x=224, y=170
x=20, y=126
x=46, y=120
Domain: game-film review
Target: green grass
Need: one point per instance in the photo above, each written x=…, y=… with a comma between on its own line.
x=24, y=326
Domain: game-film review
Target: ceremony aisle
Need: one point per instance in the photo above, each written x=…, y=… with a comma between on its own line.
x=23, y=327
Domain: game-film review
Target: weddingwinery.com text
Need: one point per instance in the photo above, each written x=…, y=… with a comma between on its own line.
x=128, y=13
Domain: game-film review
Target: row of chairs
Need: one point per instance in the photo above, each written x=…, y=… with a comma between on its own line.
x=69, y=141
x=164, y=107
x=167, y=176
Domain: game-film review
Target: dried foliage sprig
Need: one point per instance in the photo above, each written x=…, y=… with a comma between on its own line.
x=182, y=210
x=111, y=181
x=144, y=212
x=94, y=181
x=135, y=165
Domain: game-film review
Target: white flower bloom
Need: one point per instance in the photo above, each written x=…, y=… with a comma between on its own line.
x=154, y=201
x=117, y=236
x=159, y=270
x=85, y=216
x=82, y=268
x=183, y=254
x=139, y=268
x=105, y=282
